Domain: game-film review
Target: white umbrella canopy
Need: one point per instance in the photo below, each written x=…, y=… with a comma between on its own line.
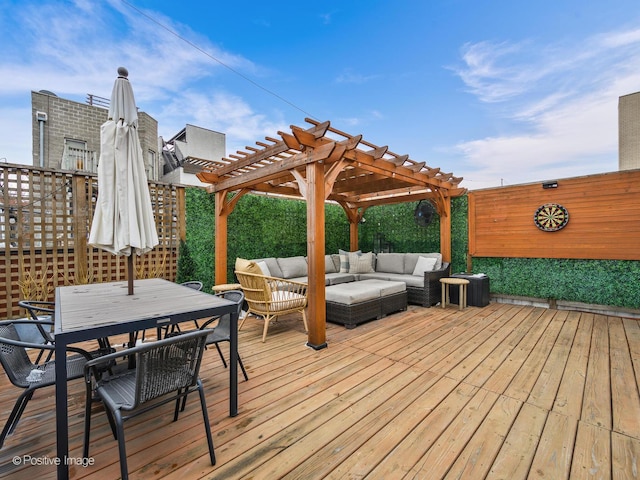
x=123, y=221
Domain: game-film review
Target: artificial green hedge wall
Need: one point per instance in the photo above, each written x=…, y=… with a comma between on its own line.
x=262, y=226
x=602, y=282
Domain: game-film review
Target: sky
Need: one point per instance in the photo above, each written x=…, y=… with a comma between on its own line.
x=500, y=92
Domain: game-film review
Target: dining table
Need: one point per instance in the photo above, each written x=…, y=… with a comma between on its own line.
x=99, y=310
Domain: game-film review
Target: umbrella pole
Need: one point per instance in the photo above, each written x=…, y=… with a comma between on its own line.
x=130, y=274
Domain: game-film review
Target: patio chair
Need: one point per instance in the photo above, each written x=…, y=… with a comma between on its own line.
x=22, y=372
x=172, y=329
x=166, y=371
x=270, y=297
x=35, y=332
x=222, y=331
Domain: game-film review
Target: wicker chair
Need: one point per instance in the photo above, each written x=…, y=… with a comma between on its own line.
x=270, y=297
x=19, y=367
x=166, y=371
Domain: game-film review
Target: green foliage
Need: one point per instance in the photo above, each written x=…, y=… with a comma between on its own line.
x=262, y=226
x=459, y=234
x=392, y=228
x=200, y=212
x=602, y=282
x=186, y=266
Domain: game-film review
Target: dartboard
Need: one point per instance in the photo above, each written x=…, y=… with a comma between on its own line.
x=551, y=217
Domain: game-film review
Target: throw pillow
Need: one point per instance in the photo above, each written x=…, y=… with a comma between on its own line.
x=248, y=266
x=264, y=267
x=424, y=265
x=344, y=259
x=361, y=263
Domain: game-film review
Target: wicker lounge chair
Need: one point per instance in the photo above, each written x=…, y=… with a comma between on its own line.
x=270, y=297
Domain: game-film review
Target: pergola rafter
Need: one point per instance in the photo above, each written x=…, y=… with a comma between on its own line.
x=321, y=163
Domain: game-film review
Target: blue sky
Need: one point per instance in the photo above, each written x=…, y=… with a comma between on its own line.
x=498, y=92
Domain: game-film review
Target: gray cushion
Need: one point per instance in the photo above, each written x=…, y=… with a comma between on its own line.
x=360, y=263
x=337, y=278
x=344, y=259
x=411, y=259
x=350, y=293
x=391, y=263
x=293, y=267
x=272, y=264
x=329, y=266
x=409, y=280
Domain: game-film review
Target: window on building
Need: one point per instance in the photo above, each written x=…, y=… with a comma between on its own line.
x=75, y=156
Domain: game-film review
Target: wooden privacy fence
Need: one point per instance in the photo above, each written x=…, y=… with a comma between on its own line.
x=45, y=220
x=604, y=219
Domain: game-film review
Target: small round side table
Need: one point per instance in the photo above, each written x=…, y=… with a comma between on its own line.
x=463, y=290
x=224, y=287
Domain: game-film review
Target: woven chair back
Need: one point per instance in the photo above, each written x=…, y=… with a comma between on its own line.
x=14, y=359
x=167, y=367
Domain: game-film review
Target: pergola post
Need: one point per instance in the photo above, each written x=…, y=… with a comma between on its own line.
x=221, y=238
x=445, y=231
x=316, y=310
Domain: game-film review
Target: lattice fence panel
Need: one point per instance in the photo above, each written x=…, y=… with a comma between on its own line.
x=45, y=220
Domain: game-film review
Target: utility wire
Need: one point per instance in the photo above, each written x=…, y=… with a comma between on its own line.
x=201, y=50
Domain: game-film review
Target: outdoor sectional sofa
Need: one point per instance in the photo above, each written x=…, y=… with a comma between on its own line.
x=423, y=288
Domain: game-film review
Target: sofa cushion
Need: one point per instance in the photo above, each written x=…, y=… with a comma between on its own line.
x=272, y=265
x=344, y=260
x=391, y=263
x=360, y=263
x=292, y=267
x=248, y=266
x=411, y=259
x=424, y=264
x=409, y=280
x=337, y=278
x=329, y=266
x=350, y=293
x=264, y=267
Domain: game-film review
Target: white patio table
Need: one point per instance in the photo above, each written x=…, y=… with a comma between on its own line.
x=87, y=312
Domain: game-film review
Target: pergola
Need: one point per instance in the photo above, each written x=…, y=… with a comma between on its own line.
x=321, y=164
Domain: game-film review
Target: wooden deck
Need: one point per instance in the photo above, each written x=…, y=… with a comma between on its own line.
x=502, y=392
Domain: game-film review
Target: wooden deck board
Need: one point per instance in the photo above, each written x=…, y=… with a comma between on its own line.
x=502, y=392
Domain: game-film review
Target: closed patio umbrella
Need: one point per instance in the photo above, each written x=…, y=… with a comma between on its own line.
x=123, y=222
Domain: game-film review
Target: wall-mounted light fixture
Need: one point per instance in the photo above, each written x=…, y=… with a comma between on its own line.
x=553, y=184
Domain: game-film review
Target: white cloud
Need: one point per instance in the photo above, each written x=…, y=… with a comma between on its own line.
x=565, y=100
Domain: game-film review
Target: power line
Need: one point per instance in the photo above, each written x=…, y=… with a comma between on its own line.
x=201, y=50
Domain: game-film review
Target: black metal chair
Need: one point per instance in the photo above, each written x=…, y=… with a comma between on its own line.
x=175, y=328
x=166, y=371
x=35, y=332
x=222, y=331
x=23, y=373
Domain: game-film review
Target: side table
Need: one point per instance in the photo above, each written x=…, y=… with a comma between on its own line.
x=445, y=290
x=225, y=287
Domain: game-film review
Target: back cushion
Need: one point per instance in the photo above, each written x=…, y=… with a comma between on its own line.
x=391, y=263
x=411, y=259
x=361, y=263
x=248, y=266
x=293, y=267
x=329, y=266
